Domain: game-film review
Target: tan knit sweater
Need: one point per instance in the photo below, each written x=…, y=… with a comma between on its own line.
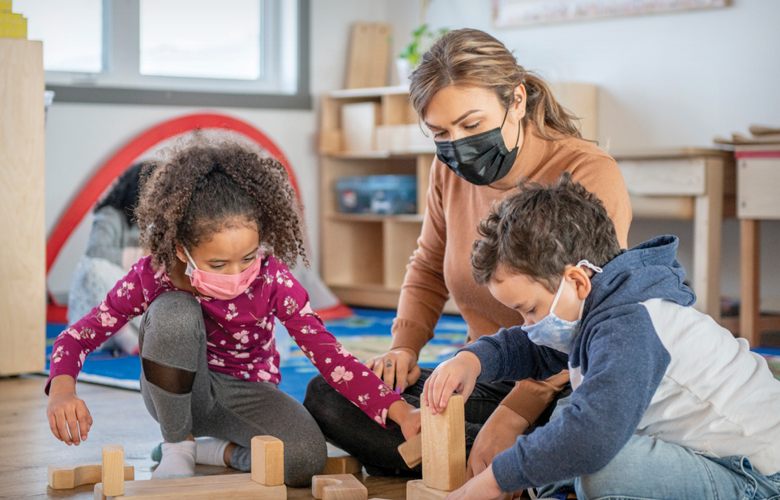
x=441, y=264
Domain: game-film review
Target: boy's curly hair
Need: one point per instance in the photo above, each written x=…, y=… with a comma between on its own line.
x=541, y=230
x=205, y=186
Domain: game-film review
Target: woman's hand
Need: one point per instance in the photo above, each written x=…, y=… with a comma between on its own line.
x=407, y=416
x=397, y=368
x=69, y=418
x=458, y=374
x=498, y=434
x=482, y=487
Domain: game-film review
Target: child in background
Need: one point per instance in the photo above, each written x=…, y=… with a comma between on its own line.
x=222, y=225
x=112, y=249
x=666, y=404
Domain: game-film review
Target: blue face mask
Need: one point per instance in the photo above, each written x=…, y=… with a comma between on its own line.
x=554, y=332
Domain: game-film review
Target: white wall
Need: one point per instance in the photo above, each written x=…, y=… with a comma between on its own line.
x=80, y=137
x=665, y=80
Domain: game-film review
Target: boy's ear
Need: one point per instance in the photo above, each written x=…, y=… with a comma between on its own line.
x=581, y=278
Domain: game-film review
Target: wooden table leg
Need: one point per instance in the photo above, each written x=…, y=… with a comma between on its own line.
x=750, y=260
x=708, y=224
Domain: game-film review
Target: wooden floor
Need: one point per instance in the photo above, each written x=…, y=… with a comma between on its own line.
x=27, y=446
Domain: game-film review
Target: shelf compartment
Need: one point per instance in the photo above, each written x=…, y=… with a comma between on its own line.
x=400, y=242
x=353, y=252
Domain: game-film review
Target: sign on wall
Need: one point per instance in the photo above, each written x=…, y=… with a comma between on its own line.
x=519, y=13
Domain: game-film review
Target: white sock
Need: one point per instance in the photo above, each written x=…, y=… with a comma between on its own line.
x=178, y=460
x=211, y=451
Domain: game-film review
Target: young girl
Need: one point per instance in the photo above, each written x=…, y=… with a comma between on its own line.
x=222, y=225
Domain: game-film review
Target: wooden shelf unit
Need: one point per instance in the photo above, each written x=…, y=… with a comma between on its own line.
x=364, y=256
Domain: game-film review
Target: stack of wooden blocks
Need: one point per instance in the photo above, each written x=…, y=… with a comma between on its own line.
x=443, y=453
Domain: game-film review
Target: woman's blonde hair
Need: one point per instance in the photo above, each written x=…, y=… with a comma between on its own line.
x=472, y=58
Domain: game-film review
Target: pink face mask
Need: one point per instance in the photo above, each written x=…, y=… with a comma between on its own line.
x=222, y=286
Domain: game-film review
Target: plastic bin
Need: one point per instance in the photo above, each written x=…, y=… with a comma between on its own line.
x=377, y=194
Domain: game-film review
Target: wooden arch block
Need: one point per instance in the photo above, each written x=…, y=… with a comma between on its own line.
x=267, y=460
x=68, y=476
x=444, y=446
x=338, y=487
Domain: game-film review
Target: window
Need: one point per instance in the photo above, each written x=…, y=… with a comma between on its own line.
x=192, y=52
x=203, y=42
x=73, y=34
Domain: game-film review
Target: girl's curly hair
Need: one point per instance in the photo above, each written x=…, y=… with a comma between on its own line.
x=205, y=186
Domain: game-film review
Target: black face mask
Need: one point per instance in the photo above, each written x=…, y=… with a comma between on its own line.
x=480, y=159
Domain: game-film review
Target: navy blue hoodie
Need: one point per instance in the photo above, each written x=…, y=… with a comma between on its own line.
x=619, y=355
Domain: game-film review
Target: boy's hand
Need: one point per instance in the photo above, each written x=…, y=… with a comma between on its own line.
x=69, y=418
x=407, y=416
x=481, y=487
x=499, y=433
x=458, y=374
x=397, y=368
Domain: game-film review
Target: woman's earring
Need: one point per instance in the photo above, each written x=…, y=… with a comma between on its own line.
x=519, y=99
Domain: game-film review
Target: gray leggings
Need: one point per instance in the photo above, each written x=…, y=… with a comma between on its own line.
x=173, y=335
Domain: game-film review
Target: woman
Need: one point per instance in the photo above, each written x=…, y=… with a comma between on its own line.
x=494, y=124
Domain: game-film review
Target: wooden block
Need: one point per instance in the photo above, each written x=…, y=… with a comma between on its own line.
x=411, y=451
x=342, y=465
x=338, y=487
x=68, y=476
x=369, y=53
x=267, y=460
x=113, y=473
x=416, y=490
x=22, y=196
x=229, y=486
x=444, y=446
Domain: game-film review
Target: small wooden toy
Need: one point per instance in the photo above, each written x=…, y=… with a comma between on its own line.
x=68, y=476
x=342, y=464
x=443, y=452
x=338, y=487
x=267, y=467
x=267, y=460
x=113, y=473
x=411, y=451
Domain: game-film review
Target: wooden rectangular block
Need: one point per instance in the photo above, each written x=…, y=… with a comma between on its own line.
x=444, y=446
x=229, y=486
x=68, y=476
x=416, y=490
x=113, y=473
x=267, y=460
x=338, y=487
x=22, y=196
x=411, y=451
x=342, y=465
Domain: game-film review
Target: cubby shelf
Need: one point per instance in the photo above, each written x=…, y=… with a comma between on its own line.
x=364, y=256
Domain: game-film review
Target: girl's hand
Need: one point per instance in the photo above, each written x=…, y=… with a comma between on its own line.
x=458, y=374
x=407, y=416
x=482, y=487
x=69, y=418
x=397, y=368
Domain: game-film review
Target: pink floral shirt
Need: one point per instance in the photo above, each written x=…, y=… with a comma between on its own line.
x=240, y=333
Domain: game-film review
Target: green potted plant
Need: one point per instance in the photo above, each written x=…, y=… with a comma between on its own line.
x=409, y=58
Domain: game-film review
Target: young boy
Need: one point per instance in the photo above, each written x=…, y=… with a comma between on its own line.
x=666, y=404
